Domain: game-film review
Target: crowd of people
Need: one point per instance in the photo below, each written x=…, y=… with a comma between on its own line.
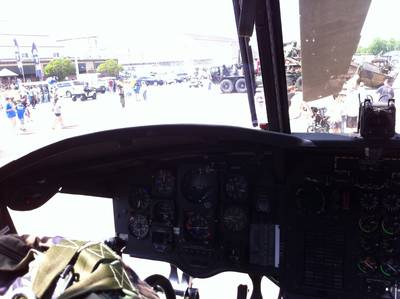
x=339, y=114
x=18, y=101
x=19, y=104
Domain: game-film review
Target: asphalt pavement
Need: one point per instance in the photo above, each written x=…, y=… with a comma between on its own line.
x=164, y=105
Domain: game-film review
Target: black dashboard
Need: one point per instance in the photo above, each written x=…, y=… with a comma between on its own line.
x=206, y=214
x=318, y=214
x=340, y=223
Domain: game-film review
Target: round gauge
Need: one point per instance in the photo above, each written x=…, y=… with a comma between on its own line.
x=236, y=187
x=368, y=224
x=234, y=219
x=200, y=186
x=310, y=199
x=139, y=226
x=163, y=212
x=389, y=268
x=391, y=202
x=369, y=201
x=139, y=198
x=163, y=183
x=391, y=226
x=367, y=265
x=198, y=227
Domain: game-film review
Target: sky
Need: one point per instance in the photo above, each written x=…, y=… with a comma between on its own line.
x=126, y=23
x=130, y=20
x=382, y=20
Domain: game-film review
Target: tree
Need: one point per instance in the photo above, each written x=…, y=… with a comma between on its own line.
x=60, y=67
x=382, y=46
x=109, y=68
x=379, y=45
x=362, y=50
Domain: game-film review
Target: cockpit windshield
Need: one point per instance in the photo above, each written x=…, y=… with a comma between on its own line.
x=180, y=62
x=74, y=68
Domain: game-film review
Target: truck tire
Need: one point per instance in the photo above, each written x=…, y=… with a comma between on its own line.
x=240, y=85
x=226, y=86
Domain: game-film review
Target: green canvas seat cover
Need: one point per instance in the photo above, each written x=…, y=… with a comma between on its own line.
x=96, y=266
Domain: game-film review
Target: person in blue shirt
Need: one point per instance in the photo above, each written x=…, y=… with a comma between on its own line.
x=20, y=107
x=10, y=111
x=136, y=89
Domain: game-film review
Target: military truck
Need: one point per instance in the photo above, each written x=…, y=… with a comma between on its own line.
x=230, y=78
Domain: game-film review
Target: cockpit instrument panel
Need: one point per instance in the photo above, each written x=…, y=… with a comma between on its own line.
x=202, y=214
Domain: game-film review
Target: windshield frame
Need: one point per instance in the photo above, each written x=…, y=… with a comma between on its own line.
x=271, y=54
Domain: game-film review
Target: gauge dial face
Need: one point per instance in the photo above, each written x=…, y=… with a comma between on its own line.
x=235, y=219
x=164, y=183
x=163, y=212
x=310, y=199
x=139, y=226
x=198, y=227
x=391, y=226
x=391, y=202
x=236, y=188
x=390, y=268
x=367, y=265
x=200, y=186
x=369, y=201
x=368, y=224
x=139, y=198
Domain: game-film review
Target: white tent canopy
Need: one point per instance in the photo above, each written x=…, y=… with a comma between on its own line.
x=7, y=73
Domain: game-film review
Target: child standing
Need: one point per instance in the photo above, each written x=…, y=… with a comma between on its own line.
x=20, y=113
x=121, y=93
x=10, y=111
x=57, y=113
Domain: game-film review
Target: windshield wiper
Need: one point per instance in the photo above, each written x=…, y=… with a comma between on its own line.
x=247, y=61
x=265, y=14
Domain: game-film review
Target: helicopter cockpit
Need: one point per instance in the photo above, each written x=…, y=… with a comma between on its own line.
x=317, y=214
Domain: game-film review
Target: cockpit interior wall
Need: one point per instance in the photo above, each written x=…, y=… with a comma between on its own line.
x=330, y=34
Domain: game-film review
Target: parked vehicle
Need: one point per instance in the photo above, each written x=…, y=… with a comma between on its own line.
x=230, y=79
x=150, y=80
x=71, y=89
x=101, y=89
x=182, y=77
x=90, y=93
x=94, y=80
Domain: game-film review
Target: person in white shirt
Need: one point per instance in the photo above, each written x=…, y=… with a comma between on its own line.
x=57, y=113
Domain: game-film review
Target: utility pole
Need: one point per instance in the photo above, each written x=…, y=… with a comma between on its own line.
x=76, y=54
x=76, y=66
